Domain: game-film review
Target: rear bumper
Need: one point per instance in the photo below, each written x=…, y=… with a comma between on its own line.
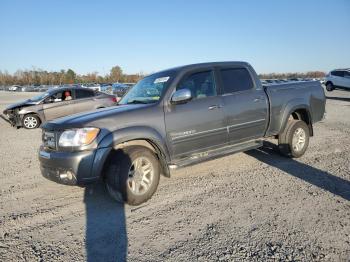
x=72, y=168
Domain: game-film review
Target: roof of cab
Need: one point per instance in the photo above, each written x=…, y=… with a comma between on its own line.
x=207, y=64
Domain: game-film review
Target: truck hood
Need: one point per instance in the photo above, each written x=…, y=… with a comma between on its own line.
x=97, y=118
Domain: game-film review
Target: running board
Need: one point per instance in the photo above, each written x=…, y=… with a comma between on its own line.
x=216, y=153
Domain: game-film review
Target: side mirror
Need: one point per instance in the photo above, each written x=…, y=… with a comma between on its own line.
x=181, y=96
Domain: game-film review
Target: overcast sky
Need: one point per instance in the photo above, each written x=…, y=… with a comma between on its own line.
x=274, y=36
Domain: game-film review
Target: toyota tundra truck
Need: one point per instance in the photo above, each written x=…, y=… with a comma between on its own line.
x=174, y=118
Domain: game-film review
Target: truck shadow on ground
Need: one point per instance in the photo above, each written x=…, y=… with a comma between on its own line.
x=345, y=99
x=324, y=180
x=106, y=234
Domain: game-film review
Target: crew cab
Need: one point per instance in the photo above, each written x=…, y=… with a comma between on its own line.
x=178, y=117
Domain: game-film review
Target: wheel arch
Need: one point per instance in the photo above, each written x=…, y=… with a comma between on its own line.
x=300, y=112
x=304, y=115
x=24, y=114
x=140, y=136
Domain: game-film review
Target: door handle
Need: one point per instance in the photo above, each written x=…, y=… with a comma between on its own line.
x=214, y=107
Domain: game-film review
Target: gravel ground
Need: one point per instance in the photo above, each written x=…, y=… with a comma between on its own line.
x=253, y=206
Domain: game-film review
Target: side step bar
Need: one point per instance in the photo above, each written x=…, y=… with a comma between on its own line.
x=216, y=153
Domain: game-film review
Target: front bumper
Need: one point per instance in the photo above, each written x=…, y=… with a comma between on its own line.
x=72, y=168
x=13, y=120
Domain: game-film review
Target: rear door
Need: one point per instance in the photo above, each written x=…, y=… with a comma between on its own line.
x=199, y=124
x=84, y=100
x=338, y=78
x=245, y=105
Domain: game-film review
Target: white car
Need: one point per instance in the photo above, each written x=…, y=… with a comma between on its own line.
x=15, y=88
x=338, y=78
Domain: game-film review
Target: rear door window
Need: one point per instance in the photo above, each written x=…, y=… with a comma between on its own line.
x=235, y=80
x=338, y=73
x=80, y=94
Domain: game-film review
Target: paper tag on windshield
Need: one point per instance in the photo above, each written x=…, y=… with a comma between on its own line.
x=161, y=80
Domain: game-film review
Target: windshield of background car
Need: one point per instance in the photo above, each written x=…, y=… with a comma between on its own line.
x=39, y=97
x=149, y=89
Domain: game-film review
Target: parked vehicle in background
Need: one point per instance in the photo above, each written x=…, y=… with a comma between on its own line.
x=106, y=88
x=15, y=88
x=95, y=87
x=55, y=103
x=27, y=89
x=295, y=79
x=43, y=88
x=175, y=118
x=338, y=78
x=119, y=89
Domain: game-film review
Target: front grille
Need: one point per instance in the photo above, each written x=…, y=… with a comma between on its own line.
x=49, y=139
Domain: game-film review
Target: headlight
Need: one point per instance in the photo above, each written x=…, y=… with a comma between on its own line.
x=78, y=137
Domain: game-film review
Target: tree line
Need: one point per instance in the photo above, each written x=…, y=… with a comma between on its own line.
x=310, y=74
x=43, y=77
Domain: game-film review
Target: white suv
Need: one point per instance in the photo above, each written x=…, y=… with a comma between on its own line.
x=338, y=78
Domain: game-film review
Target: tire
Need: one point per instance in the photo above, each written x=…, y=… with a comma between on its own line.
x=294, y=140
x=31, y=121
x=329, y=87
x=127, y=183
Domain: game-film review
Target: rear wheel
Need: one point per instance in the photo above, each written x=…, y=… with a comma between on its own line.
x=294, y=140
x=329, y=87
x=132, y=175
x=31, y=121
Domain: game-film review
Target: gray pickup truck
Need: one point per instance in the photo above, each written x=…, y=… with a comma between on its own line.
x=175, y=118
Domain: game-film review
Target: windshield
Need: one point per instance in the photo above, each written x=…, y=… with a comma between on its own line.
x=149, y=89
x=39, y=97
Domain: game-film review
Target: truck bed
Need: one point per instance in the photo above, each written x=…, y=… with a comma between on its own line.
x=283, y=96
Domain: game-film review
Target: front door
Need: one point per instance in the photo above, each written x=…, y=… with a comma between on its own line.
x=58, y=105
x=199, y=124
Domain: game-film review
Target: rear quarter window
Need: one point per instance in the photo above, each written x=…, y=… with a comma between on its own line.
x=235, y=80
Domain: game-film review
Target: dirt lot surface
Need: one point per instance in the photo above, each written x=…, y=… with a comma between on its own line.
x=248, y=206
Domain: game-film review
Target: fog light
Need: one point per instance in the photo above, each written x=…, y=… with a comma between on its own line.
x=68, y=175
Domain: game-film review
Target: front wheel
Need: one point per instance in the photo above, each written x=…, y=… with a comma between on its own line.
x=294, y=140
x=31, y=121
x=132, y=175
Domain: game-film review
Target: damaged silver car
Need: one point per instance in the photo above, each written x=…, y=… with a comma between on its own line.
x=55, y=103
